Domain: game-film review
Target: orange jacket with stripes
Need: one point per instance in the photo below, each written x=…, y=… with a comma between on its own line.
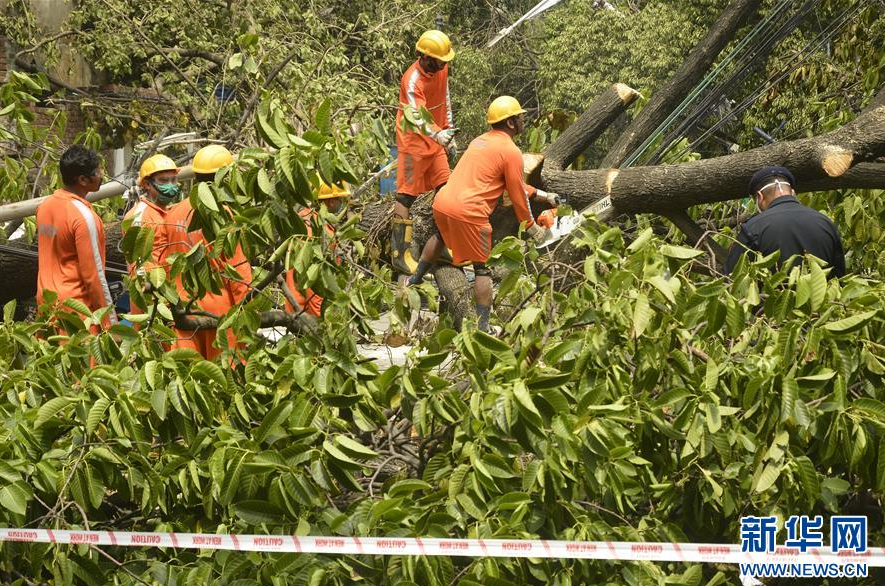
x=148, y=214
x=491, y=164
x=420, y=89
x=70, y=251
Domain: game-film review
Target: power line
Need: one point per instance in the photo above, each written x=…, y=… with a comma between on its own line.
x=755, y=57
x=708, y=79
x=849, y=15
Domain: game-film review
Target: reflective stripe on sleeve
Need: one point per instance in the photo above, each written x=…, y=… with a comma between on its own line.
x=89, y=218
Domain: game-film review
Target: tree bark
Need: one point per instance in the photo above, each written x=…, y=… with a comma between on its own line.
x=686, y=77
x=299, y=323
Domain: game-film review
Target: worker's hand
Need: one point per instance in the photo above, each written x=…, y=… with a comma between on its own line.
x=537, y=233
x=444, y=137
x=452, y=151
x=552, y=199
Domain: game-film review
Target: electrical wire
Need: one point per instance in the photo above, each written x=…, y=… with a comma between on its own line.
x=755, y=57
x=825, y=36
x=708, y=79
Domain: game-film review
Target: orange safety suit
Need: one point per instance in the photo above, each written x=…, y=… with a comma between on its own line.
x=150, y=215
x=179, y=239
x=422, y=164
x=309, y=301
x=461, y=209
x=70, y=252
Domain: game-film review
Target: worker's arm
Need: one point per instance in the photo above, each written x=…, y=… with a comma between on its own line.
x=417, y=100
x=518, y=190
x=742, y=245
x=90, y=258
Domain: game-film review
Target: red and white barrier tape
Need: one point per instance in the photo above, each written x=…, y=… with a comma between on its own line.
x=508, y=548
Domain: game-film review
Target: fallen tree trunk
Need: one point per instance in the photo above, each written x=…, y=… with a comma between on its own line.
x=818, y=163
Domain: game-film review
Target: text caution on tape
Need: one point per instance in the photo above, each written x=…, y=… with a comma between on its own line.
x=419, y=546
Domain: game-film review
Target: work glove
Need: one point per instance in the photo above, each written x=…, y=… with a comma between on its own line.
x=452, y=151
x=552, y=199
x=537, y=233
x=444, y=137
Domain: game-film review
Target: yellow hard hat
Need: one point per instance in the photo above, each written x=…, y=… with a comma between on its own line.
x=503, y=108
x=211, y=158
x=155, y=164
x=436, y=44
x=331, y=191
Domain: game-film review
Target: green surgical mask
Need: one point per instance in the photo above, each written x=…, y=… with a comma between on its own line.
x=167, y=193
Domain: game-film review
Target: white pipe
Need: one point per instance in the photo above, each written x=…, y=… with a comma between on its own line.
x=22, y=209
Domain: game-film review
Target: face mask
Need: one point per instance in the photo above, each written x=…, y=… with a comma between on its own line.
x=167, y=192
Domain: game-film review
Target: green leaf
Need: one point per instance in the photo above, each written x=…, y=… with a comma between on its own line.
x=522, y=395
x=235, y=61
x=641, y=240
x=769, y=476
x=50, y=409
x=662, y=285
x=641, y=315
x=158, y=402
x=211, y=371
x=340, y=456
x=207, y=198
x=818, y=286
x=96, y=414
x=15, y=497
x=355, y=448
x=680, y=252
x=274, y=418
x=871, y=407
x=851, y=323
x=408, y=486
x=808, y=477
x=231, y=482
x=258, y=512
x=789, y=393
x=323, y=117
x=880, y=466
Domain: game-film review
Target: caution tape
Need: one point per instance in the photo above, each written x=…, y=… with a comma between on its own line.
x=478, y=548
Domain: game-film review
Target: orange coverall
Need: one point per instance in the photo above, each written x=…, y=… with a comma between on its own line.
x=147, y=214
x=307, y=299
x=422, y=164
x=461, y=209
x=179, y=239
x=70, y=252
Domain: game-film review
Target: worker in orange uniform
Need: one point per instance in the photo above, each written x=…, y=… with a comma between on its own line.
x=461, y=209
x=70, y=237
x=206, y=162
x=157, y=180
x=422, y=159
x=331, y=197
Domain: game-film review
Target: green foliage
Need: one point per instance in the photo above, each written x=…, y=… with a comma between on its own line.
x=640, y=404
